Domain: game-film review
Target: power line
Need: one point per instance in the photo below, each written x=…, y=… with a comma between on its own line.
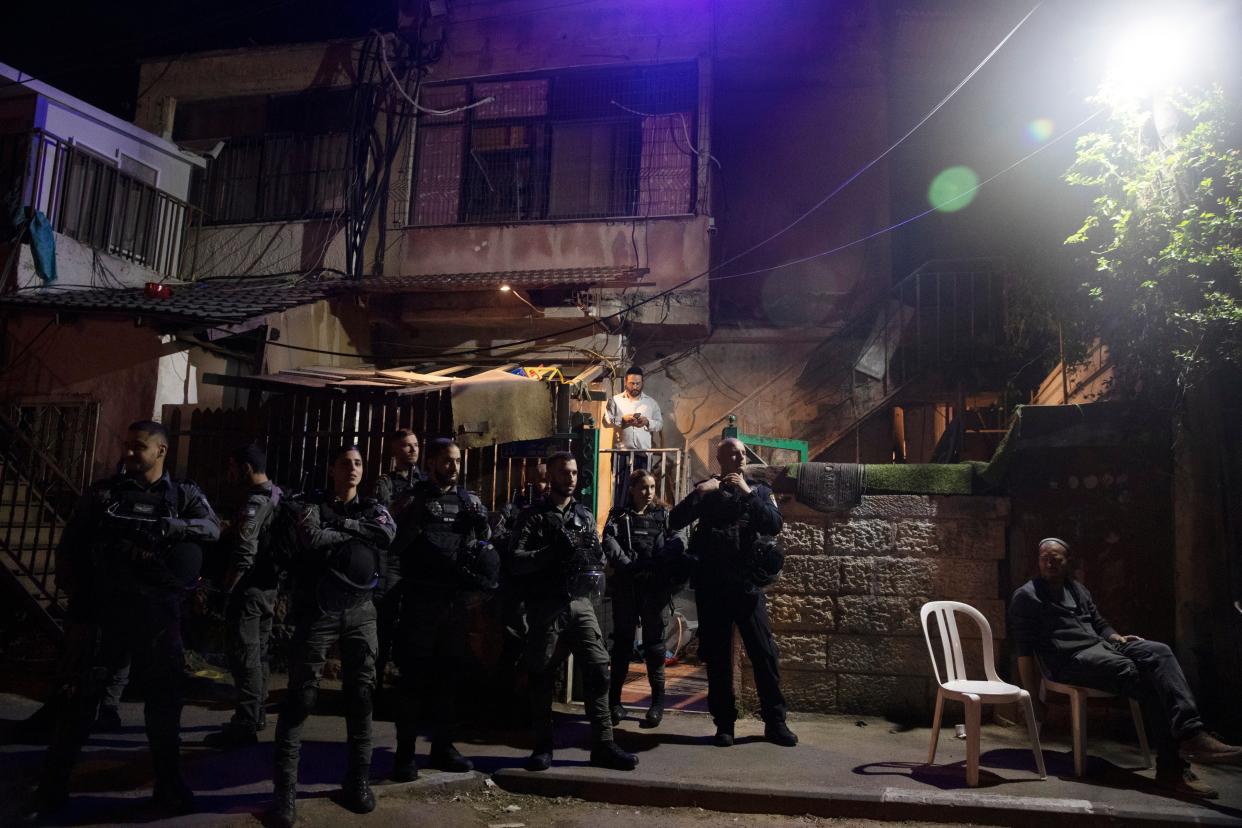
x=890, y=228
x=916, y=216
x=788, y=226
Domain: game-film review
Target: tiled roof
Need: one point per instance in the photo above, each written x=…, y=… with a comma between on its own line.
x=214, y=301
x=525, y=279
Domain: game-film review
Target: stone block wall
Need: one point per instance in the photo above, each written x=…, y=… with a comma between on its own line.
x=845, y=612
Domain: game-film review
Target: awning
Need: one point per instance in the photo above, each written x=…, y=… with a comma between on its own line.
x=209, y=302
x=494, y=280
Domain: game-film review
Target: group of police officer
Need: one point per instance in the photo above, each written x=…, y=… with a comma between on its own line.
x=396, y=576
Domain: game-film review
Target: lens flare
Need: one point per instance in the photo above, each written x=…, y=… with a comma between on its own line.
x=1040, y=130
x=953, y=189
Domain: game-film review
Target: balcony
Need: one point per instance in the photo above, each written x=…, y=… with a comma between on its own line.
x=94, y=201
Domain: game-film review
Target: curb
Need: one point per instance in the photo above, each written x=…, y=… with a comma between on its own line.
x=434, y=782
x=890, y=804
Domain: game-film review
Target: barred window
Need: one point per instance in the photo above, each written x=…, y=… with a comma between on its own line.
x=599, y=143
x=284, y=156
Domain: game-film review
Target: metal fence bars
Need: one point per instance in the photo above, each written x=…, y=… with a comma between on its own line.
x=113, y=206
x=37, y=496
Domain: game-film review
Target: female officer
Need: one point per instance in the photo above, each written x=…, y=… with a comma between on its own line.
x=639, y=547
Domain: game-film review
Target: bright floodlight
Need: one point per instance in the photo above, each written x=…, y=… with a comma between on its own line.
x=1151, y=57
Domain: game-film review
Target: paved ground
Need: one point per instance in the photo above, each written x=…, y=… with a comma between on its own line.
x=845, y=767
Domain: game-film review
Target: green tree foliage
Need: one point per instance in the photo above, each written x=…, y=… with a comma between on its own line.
x=1165, y=237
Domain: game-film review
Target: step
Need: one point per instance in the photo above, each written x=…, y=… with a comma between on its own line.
x=24, y=537
x=14, y=490
x=21, y=512
x=39, y=559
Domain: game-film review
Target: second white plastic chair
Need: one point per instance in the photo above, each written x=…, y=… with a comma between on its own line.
x=972, y=693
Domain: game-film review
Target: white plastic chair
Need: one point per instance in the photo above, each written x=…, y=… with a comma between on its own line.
x=972, y=694
x=1078, y=715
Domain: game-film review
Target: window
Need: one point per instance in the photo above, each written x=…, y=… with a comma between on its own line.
x=284, y=156
x=581, y=144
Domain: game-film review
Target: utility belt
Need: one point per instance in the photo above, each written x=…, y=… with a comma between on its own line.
x=334, y=594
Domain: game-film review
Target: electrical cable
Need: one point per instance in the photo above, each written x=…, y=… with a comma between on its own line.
x=790, y=225
x=916, y=216
x=383, y=52
x=585, y=326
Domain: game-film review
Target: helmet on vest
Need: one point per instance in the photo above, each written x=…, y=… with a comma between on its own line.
x=767, y=559
x=478, y=566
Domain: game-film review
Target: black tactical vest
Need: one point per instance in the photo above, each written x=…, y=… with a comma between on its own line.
x=642, y=534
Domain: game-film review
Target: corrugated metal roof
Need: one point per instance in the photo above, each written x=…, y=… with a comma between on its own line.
x=214, y=301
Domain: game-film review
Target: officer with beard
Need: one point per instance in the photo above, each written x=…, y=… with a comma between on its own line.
x=558, y=562
x=250, y=583
x=733, y=542
x=340, y=560
x=393, y=490
x=447, y=562
x=128, y=556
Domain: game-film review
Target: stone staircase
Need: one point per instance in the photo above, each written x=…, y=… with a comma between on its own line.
x=927, y=328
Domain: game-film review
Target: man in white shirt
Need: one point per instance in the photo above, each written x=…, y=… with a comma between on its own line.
x=636, y=417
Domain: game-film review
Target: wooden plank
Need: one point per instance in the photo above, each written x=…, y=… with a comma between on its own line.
x=453, y=369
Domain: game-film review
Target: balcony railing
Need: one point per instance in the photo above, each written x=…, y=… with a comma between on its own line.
x=90, y=199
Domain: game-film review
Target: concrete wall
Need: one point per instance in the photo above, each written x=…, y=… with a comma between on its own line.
x=65, y=122
x=76, y=267
x=109, y=361
x=845, y=612
x=800, y=105
x=264, y=249
x=672, y=248
x=237, y=73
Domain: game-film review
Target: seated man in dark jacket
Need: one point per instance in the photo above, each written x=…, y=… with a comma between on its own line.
x=1053, y=617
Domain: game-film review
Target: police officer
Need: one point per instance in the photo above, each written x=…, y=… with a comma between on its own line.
x=392, y=490
x=737, y=520
x=250, y=582
x=447, y=561
x=557, y=558
x=392, y=487
x=636, y=541
x=513, y=706
x=128, y=556
x=340, y=560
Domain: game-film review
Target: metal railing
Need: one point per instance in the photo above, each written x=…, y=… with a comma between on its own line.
x=90, y=199
x=36, y=497
x=665, y=465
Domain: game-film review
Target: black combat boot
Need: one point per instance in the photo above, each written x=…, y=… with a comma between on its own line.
x=284, y=810
x=447, y=758
x=173, y=795
x=231, y=736
x=655, y=713
x=609, y=755
x=724, y=735
x=540, y=758
x=404, y=768
x=356, y=792
x=43, y=803
x=107, y=720
x=778, y=733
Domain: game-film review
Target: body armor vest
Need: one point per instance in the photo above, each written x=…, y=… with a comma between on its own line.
x=643, y=534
